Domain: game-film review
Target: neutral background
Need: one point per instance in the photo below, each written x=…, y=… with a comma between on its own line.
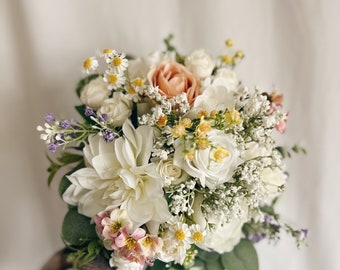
x=292, y=45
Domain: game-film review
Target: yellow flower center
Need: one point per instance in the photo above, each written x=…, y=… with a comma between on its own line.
x=226, y=59
x=147, y=241
x=112, y=78
x=131, y=90
x=178, y=131
x=162, y=120
x=87, y=63
x=220, y=154
x=198, y=237
x=106, y=51
x=138, y=82
x=180, y=235
x=233, y=117
x=229, y=42
x=186, y=122
x=239, y=54
x=202, y=113
x=202, y=144
x=115, y=226
x=117, y=61
x=130, y=243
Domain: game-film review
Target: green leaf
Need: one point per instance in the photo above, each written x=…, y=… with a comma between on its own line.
x=77, y=229
x=67, y=158
x=242, y=257
x=211, y=260
x=63, y=185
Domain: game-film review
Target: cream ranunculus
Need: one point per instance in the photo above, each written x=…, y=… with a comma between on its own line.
x=170, y=173
x=214, y=165
x=118, y=109
x=200, y=63
x=94, y=93
x=272, y=180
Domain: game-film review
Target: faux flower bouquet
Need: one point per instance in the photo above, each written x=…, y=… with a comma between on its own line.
x=173, y=164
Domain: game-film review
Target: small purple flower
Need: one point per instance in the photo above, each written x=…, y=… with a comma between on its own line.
x=89, y=111
x=52, y=147
x=49, y=117
x=64, y=124
x=104, y=116
x=267, y=219
x=302, y=234
x=256, y=237
x=108, y=135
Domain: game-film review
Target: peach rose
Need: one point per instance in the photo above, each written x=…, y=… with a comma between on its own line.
x=174, y=79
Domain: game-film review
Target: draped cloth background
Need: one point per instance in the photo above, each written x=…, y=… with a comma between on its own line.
x=290, y=45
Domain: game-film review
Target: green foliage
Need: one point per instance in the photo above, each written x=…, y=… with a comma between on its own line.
x=77, y=229
x=286, y=152
x=65, y=159
x=242, y=257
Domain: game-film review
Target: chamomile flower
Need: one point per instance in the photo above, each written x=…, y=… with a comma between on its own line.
x=117, y=62
x=114, y=80
x=90, y=64
x=197, y=234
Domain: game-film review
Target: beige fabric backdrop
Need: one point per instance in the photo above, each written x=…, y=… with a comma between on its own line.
x=292, y=45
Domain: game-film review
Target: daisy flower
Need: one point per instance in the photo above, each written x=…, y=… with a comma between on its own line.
x=90, y=64
x=114, y=80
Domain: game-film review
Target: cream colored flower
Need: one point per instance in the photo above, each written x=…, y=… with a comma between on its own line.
x=272, y=180
x=200, y=63
x=117, y=109
x=94, y=93
x=170, y=173
x=214, y=165
x=119, y=174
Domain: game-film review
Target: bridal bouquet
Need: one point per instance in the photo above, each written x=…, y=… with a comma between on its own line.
x=172, y=164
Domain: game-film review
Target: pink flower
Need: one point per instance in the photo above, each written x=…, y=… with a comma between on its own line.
x=276, y=99
x=113, y=224
x=174, y=79
x=150, y=245
x=281, y=126
x=129, y=246
x=98, y=221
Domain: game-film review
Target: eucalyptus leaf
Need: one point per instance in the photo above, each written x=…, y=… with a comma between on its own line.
x=242, y=257
x=77, y=229
x=63, y=185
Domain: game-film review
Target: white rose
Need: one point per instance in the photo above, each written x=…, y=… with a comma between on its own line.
x=170, y=173
x=272, y=180
x=205, y=166
x=118, y=109
x=200, y=63
x=224, y=237
x=94, y=93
